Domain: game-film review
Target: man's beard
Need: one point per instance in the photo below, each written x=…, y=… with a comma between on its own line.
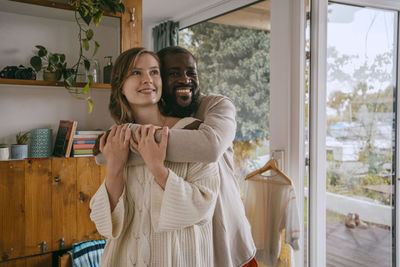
x=172, y=107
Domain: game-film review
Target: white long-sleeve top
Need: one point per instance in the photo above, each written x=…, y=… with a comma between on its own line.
x=155, y=227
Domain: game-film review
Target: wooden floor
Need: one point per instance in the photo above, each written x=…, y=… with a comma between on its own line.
x=353, y=247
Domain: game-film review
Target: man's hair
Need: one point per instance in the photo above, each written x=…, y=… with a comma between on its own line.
x=119, y=106
x=172, y=50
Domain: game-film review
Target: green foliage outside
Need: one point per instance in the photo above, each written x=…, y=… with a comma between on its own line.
x=234, y=61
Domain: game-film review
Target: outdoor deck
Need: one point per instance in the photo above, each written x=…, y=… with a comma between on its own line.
x=348, y=247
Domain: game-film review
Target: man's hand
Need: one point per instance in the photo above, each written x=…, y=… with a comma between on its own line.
x=153, y=153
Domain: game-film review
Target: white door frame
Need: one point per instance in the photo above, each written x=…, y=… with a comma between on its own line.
x=317, y=238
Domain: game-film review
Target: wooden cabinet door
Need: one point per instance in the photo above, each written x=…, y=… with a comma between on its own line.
x=12, y=209
x=40, y=261
x=38, y=210
x=44, y=260
x=64, y=202
x=14, y=263
x=88, y=181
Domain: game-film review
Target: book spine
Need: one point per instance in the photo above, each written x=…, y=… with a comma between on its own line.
x=83, y=155
x=82, y=146
x=91, y=136
x=70, y=139
x=89, y=132
x=83, y=151
x=89, y=141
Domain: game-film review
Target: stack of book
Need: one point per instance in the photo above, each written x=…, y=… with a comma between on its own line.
x=84, y=142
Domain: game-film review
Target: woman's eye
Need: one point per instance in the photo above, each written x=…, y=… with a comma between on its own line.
x=154, y=72
x=135, y=72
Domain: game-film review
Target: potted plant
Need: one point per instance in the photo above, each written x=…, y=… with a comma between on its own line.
x=52, y=64
x=20, y=149
x=4, y=152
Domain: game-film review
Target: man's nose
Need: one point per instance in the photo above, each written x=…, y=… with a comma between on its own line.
x=183, y=78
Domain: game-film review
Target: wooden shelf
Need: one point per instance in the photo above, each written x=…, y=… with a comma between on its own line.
x=47, y=83
x=59, y=5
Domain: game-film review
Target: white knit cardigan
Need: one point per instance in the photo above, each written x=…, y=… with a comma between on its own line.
x=155, y=227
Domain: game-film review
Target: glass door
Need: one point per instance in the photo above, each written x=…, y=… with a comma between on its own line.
x=360, y=135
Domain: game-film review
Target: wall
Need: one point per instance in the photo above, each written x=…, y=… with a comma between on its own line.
x=22, y=108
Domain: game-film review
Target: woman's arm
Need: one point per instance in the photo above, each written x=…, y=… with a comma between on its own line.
x=108, y=204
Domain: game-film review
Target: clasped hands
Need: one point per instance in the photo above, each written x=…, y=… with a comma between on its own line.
x=114, y=145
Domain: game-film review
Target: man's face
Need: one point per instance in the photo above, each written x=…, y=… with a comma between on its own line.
x=180, y=81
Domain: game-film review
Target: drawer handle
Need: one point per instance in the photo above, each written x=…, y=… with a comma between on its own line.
x=56, y=179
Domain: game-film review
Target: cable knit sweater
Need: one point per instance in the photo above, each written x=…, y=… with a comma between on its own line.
x=155, y=227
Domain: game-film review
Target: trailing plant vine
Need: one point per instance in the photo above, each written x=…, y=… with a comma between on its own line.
x=87, y=12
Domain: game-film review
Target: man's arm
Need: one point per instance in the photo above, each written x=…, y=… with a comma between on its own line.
x=209, y=142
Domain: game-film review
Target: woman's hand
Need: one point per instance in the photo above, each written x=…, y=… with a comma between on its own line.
x=153, y=153
x=115, y=148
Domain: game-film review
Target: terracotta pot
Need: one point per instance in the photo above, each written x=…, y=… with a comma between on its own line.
x=50, y=76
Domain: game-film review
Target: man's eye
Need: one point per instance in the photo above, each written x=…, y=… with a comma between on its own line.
x=191, y=73
x=173, y=74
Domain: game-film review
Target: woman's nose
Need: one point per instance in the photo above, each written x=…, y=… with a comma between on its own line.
x=147, y=78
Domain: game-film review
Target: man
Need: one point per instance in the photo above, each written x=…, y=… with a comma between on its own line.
x=233, y=243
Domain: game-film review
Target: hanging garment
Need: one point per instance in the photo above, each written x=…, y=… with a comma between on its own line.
x=270, y=207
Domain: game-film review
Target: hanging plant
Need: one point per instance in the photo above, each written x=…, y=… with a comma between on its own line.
x=87, y=12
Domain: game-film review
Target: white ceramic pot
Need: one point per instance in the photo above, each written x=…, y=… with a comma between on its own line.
x=4, y=153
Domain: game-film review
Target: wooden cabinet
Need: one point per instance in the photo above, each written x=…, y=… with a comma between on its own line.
x=36, y=261
x=44, y=204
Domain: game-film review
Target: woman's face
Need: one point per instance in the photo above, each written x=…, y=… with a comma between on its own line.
x=143, y=85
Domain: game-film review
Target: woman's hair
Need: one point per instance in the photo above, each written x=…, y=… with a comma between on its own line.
x=119, y=106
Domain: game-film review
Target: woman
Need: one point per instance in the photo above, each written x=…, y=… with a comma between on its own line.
x=157, y=214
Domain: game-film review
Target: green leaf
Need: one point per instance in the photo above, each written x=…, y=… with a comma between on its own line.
x=96, y=47
x=53, y=59
x=87, y=64
x=121, y=8
x=36, y=63
x=85, y=90
x=42, y=52
x=40, y=47
x=97, y=17
x=90, y=77
x=70, y=80
x=90, y=103
x=62, y=58
x=85, y=44
x=89, y=34
x=86, y=18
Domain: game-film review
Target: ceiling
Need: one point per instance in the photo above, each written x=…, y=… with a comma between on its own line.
x=193, y=11
x=157, y=11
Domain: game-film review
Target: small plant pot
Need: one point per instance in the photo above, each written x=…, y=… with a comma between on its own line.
x=50, y=76
x=19, y=151
x=4, y=153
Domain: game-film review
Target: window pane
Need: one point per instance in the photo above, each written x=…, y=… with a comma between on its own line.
x=360, y=135
x=232, y=53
